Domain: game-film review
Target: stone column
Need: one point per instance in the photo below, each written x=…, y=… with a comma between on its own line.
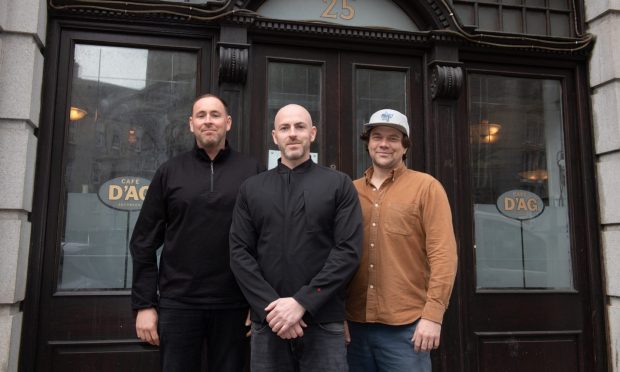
x=603, y=21
x=22, y=38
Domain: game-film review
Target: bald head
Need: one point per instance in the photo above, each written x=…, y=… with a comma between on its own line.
x=293, y=132
x=292, y=111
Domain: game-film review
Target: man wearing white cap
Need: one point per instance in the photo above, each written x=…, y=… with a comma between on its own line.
x=397, y=298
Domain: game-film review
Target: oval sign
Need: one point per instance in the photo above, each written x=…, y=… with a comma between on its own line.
x=520, y=204
x=124, y=193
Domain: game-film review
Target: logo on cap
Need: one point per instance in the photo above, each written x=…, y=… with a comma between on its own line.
x=386, y=116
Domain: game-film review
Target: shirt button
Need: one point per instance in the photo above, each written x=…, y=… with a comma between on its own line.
x=376, y=205
x=372, y=286
x=374, y=189
x=374, y=224
x=372, y=244
x=371, y=266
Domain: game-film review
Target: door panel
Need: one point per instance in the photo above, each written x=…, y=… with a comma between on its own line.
x=523, y=351
x=293, y=75
x=527, y=308
x=372, y=82
x=125, y=113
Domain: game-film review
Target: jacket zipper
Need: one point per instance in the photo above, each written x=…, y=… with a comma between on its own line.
x=211, y=176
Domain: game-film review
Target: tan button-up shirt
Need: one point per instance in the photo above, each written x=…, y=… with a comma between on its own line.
x=409, y=259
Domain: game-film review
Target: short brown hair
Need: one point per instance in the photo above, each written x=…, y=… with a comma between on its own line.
x=206, y=96
x=405, y=141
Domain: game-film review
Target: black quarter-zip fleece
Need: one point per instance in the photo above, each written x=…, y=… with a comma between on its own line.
x=188, y=208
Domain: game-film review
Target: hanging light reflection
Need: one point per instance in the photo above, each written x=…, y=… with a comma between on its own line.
x=485, y=132
x=76, y=113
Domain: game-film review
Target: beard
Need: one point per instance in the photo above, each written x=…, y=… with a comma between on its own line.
x=209, y=141
x=294, y=154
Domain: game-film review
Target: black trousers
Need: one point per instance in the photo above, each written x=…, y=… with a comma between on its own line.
x=183, y=333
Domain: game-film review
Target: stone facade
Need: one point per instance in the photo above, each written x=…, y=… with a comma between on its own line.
x=22, y=37
x=603, y=20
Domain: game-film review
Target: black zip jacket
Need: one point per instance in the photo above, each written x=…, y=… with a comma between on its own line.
x=297, y=233
x=188, y=208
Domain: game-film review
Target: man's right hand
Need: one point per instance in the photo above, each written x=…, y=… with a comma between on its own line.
x=146, y=326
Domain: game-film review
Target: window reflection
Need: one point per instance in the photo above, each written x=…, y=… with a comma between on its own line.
x=517, y=143
x=136, y=104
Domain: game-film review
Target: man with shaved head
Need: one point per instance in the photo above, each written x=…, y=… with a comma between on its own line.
x=295, y=242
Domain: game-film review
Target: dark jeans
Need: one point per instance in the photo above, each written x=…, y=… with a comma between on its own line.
x=182, y=334
x=321, y=349
x=378, y=347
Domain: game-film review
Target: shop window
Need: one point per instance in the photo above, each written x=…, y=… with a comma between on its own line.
x=518, y=178
x=129, y=110
x=533, y=17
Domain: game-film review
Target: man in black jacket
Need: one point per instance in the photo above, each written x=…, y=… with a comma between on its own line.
x=295, y=242
x=188, y=209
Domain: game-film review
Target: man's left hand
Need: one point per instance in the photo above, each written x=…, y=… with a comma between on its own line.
x=284, y=314
x=426, y=335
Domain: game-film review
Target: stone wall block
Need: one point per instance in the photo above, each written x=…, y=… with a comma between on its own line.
x=611, y=257
x=595, y=8
x=26, y=17
x=606, y=115
x=3, y=10
x=17, y=162
x=21, y=76
x=14, y=247
x=605, y=60
x=10, y=329
x=613, y=316
x=608, y=186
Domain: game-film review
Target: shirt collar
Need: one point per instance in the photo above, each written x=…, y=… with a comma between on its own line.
x=395, y=173
x=301, y=168
x=221, y=155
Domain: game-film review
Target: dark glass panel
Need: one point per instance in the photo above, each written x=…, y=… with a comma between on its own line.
x=292, y=83
x=512, y=20
x=488, y=18
x=560, y=24
x=535, y=3
x=130, y=108
x=536, y=22
x=517, y=147
x=558, y=4
x=466, y=13
x=375, y=90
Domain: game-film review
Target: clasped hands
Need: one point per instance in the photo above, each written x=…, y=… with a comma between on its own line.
x=284, y=316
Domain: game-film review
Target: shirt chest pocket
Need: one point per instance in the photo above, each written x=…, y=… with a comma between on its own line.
x=402, y=218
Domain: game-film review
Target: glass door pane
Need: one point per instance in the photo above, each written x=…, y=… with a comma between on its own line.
x=129, y=113
x=376, y=89
x=297, y=83
x=522, y=238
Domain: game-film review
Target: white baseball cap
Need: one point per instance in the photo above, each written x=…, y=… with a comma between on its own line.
x=389, y=118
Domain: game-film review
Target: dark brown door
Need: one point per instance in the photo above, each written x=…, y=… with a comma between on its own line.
x=525, y=244
x=120, y=109
x=341, y=89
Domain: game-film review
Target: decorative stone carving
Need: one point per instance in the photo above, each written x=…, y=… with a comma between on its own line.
x=446, y=81
x=233, y=63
